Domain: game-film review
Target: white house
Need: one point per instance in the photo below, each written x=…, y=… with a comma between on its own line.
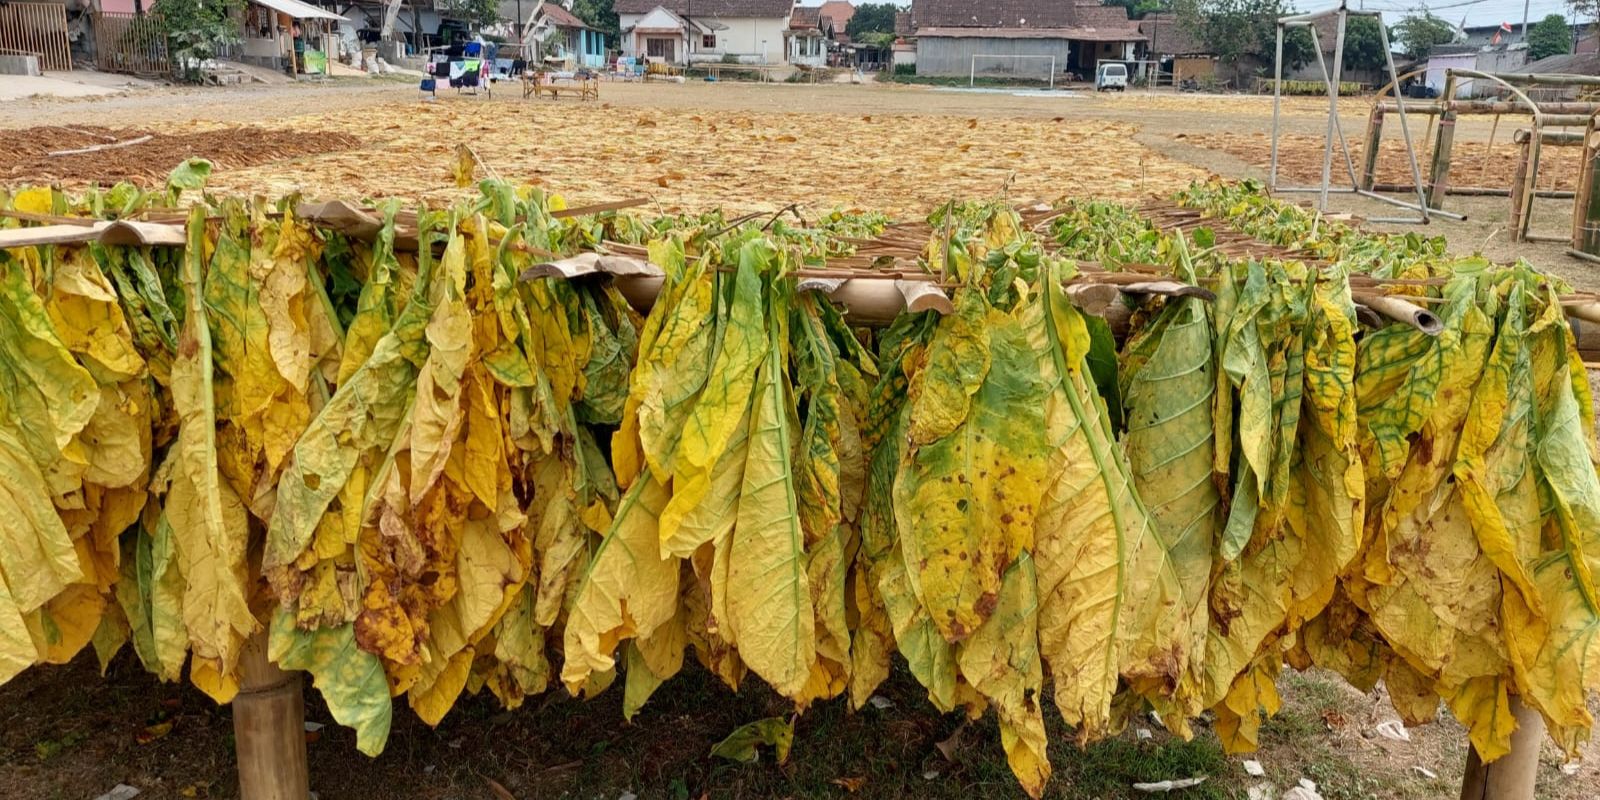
x=679, y=31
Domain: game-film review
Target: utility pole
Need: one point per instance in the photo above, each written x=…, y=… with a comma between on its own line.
x=1525, y=20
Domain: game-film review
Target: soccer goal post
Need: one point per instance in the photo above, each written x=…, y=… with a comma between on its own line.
x=1011, y=58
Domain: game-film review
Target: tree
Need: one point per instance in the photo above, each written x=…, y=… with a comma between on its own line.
x=599, y=14
x=1236, y=29
x=1363, y=44
x=1139, y=9
x=197, y=29
x=1549, y=37
x=477, y=13
x=1420, y=33
x=871, y=18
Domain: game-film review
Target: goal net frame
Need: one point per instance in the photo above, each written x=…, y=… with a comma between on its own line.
x=972, y=77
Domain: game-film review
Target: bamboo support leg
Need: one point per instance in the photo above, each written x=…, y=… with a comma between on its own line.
x=1586, y=206
x=1439, y=173
x=1369, y=164
x=269, y=728
x=1512, y=776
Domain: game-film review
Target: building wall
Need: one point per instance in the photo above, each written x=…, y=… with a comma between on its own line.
x=760, y=39
x=1193, y=68
x=1438, y=64
x=950, y=56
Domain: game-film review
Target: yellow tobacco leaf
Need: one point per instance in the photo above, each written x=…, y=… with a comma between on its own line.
x=713, y=423
x=768, y=594
x=208, y=521
x=1094, y=550
x=1001, y=661
x=627, y=590
x=965, y=502
x=713, y=517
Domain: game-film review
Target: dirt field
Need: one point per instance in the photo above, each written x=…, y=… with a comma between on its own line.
x=66, y=732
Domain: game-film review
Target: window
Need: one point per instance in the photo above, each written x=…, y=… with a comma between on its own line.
x=659, y=48
x=708, y=41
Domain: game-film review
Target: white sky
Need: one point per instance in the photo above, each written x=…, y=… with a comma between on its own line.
x=1480, y=12
x=1477, y=12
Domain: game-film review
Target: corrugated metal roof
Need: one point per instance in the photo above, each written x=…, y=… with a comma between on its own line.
x=298, y=10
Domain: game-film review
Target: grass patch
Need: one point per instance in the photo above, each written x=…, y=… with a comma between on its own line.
x=1109, y=769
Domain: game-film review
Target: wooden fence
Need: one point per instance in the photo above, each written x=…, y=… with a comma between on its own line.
x=39, y=29
x=130, y=43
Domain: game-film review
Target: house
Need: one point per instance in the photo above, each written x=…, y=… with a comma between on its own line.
x=806, y=43
x=1506, y=33
x=563, y=36
x=682, y=31
x=905, y=43
x=839, y=12
x=959, y=37
x=267, y=31
x=1180, y=52
x=1493, y=58
x=1567, y=64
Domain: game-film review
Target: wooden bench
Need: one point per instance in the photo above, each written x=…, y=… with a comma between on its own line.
x=543, y=83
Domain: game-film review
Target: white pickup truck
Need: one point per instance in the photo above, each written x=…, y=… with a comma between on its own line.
x=1111, y=76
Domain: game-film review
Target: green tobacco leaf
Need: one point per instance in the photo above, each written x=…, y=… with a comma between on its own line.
x=775, y=732
x=965, y=501
x=351, y=679
x=192, y=174
x=1170, y=448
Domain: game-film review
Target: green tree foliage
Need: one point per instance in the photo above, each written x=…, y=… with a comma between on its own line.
x=1139, y=9
x=1363, y=44
x=197, y=29
x=1235, y=29
x=476, y=13
x=1549, y=37
x=871, y=18
x=599, y=14
x=1420, y=33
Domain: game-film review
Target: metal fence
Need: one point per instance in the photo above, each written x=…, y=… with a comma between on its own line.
x=130, y=43
x=38, y=29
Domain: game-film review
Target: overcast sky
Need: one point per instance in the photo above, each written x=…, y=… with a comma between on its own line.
x=1476, y=12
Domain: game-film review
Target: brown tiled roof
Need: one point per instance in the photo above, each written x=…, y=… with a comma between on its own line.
x=804, y=18
x=994, y=13
x=1170, y=37
x=839, y=11
x=560, y=17
x=709, y=8
x=903, y=26
x=1081, y=34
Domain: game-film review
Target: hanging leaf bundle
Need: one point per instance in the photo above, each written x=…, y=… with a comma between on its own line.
x=422, y=464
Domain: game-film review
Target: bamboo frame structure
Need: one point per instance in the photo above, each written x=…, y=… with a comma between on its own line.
x=1335, y=128
x=268, y=711
x=1586, y=205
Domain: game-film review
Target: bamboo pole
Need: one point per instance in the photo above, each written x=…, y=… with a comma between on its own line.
x=1511, y=776
x=1519, y=185
x=1486, y=107
x=1369, y=163
x=1586, y=207
x=1439, y=170
x=269, y=728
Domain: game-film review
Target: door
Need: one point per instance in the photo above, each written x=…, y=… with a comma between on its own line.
x=664, y=49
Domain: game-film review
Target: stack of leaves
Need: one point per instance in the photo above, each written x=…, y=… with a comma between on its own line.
x=418, y=473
